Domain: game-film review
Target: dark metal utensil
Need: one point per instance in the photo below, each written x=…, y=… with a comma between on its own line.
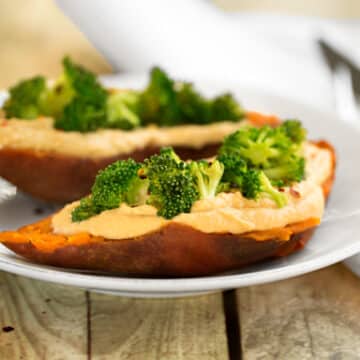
x=346, y=82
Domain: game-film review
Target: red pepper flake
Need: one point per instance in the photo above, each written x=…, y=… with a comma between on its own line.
x=281, y=189
x=7, y=328
x=295, y=193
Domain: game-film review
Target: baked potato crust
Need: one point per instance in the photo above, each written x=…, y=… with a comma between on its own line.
x=174, y=250
x=60, y=178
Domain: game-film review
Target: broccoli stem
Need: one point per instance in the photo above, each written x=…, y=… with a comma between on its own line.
x=266, y=187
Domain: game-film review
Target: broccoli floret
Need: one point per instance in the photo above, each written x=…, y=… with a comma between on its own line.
x=57, y=97
x=84, y=83
x=24, y=100
x=257, y=159
x=118, y=183
x=256, y=146
x=75, y=81
x=76, y=100
x=85, y=210
x=289, y=171
x=277, y=151
x=207, y=176
x=294, y=130
x=223, y=187
x=172, y=187
x=225, y=107
x=122, y=110
x=167, y=103
x=255, y=184
x=157, y=165
x=234, y=168
x=193, y=108
x=81, y=116
x=158, y=101
x=173, y=195
x=163, y=181
x=83, y=100
x=251, y=182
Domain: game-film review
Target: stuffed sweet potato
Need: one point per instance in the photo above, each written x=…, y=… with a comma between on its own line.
x=60, y=167
x=56, y=138
x=167, y=217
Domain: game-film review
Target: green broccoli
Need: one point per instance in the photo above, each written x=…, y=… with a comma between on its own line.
x=256, y=146
x=276, y=151
x=252, y=182
x=118, y=183
x=167, y=103
x=290, y=170
x=234, y=169
x=157, y=104
x=207, y=177
x=86, y=107
x=193, y=108
x=84, y=83
x=85, y=210
x=81, y=116
x=25, y=98
x=255, y=184
x=172, y=187
x=122, y=110
x=78, y=102
x=57, y=97
x=294, y=130
x=225, y=107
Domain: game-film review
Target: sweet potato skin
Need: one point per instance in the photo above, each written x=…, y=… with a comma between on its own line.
x=173, y=251
x=60, y=179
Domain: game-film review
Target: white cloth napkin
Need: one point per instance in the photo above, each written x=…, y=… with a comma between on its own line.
x=193, y=38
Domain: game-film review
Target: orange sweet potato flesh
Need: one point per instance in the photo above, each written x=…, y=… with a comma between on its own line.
x=59, y=178
x=174, y=250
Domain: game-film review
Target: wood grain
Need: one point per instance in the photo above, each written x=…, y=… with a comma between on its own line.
x=188, y=328
x=315, y=316
x=49, y=320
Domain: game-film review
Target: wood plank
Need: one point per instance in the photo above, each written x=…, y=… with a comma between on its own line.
x=315, y=316
x=187, y=328
x=49, y=320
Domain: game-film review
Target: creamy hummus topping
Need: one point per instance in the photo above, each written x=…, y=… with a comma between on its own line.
x=40, y=135
x=226, y=213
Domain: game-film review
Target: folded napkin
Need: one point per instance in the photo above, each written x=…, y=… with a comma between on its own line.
x=195, y=39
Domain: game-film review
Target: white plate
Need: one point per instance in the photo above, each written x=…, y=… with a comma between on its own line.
x=336, y=239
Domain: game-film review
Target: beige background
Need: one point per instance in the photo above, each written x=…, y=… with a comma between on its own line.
x=34, y=35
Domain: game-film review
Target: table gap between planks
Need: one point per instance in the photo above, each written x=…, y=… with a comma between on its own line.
x=315, y=316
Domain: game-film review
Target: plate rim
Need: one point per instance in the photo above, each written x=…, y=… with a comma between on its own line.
x=206, y=283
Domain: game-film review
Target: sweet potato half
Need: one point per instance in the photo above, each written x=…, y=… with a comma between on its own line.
x=58, y=178
x=174, y=250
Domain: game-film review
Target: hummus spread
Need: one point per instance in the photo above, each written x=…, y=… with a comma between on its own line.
x=40, y=135
x=225, y=213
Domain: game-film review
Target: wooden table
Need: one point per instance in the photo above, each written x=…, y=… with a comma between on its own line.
x=315, y=316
